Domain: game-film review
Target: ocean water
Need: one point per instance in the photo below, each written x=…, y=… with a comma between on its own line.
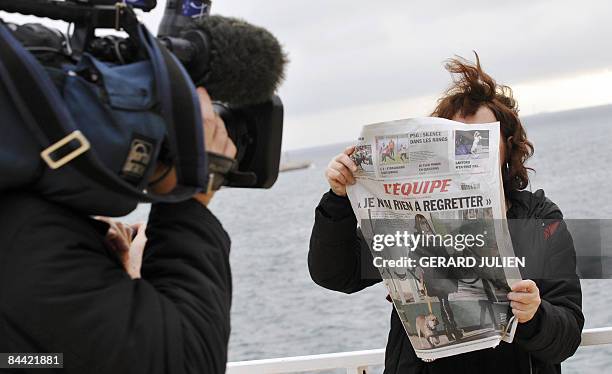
x=278, y=311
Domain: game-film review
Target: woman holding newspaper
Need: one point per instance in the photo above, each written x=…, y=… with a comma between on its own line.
x=547, y=304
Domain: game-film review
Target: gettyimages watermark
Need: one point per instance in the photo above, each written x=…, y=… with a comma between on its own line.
x=472, y=250
x=430, y=251
x=425, y=257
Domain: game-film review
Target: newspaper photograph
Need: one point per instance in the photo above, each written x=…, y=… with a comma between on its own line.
x=429, y=200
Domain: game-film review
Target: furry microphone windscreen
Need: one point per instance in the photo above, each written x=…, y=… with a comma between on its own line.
x=246, y=62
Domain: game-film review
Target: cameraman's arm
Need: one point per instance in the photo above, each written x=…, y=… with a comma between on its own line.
x=187, y=262
x=62, y=290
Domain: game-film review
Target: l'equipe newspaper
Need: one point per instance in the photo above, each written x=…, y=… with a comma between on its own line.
x=430, y=203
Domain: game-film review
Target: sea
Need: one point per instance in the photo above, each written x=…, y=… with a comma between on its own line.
x=278, y=311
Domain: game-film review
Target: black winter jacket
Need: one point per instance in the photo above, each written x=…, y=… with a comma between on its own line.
x=62, y=290
x=340, y=260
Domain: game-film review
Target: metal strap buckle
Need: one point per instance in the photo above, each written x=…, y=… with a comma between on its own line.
x=56, y=164
x=211, y=183
x=119, y=8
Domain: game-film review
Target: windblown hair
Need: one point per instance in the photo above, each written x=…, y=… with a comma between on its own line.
x=473, y=88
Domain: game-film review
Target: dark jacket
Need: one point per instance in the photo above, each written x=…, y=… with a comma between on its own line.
x=340, y=260
x=62, y=290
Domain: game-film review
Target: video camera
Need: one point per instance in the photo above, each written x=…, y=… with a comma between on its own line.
x=210, y=48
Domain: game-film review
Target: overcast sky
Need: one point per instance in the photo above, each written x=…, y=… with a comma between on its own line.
x=355, y=62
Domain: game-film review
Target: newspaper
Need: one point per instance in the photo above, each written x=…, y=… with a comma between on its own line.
x=430, y=204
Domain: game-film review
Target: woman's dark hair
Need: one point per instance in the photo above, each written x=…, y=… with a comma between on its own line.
x=473, y=88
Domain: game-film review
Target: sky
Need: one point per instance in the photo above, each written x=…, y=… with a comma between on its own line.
x=357, y=62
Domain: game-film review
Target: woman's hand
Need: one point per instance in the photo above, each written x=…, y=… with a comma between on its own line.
x=524, y=300
x=340, y=171
x=129, y=248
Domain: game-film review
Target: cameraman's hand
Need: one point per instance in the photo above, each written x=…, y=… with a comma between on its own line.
x=215, y=137
x=216, y=140
x=340, y=171
x=127, y=246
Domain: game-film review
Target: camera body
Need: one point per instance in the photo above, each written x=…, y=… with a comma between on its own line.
x=256, y=129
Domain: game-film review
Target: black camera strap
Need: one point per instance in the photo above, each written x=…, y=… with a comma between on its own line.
x=187, y=139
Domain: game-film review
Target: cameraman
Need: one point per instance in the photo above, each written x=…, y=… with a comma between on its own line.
x=64, y=290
